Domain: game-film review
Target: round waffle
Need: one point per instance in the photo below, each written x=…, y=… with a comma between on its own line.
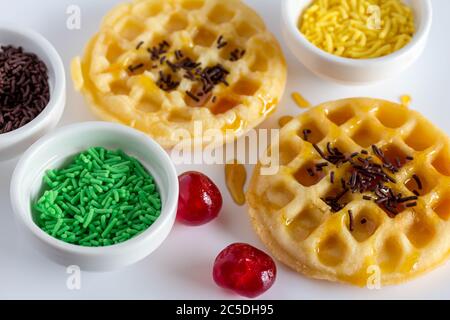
x=150, y=67
x=393, y=218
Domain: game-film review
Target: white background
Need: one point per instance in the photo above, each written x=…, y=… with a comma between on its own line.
x=181, y=267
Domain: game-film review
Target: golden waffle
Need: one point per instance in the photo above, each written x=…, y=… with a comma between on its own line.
x=301, y=230
x=120, y=81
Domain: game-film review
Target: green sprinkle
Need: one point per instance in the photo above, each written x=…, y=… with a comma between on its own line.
x=57, y=226
x=113, y=160
x=103, y=221
x=149, y=188
x=51, y=174
x=102, y=198
x=89, y=218
x=156, y=203
x=94, y=155
x=92, y=193
x=118, y=175
x=96, y=181
x=102, y=153
x=116, y=195
x=49, y=182
x=109, y=227
x=89, y=238
x=73, y=208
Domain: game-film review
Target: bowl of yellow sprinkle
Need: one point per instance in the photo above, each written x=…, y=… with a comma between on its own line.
x=357, y=41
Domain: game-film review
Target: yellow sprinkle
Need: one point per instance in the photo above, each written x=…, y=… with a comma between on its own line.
x=405, y=100
x=284, y=121
x=300, y=100
x=359, y=29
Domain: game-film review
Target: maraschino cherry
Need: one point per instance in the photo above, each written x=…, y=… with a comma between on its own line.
x=245, y=270
x=200, y=200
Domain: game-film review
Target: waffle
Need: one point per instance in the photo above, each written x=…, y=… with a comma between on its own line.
x=122, y=84
x=344, y=242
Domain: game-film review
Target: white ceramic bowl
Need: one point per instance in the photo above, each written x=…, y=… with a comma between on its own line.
x=62, y=144
x=16, y=142
x=354, y=71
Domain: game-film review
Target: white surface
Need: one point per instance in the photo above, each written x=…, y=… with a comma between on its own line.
x=16, y=142
x=61, y=145
x=354, y=71
x=182, y=266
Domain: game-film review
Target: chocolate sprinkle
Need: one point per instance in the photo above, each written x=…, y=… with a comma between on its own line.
x=320, y=166
x=221, y=43
x=139, y=45
x=166, y=83
x=350, y=217
x=319, y=151
x=417, y=179
x=158, y=51
x=310, y=172
x=333, y=202
x=192, y=96
x=306, y=133
x=136, y=67
x=178, y=54
x=412, y=198
x=24, y=88
x=236, y=54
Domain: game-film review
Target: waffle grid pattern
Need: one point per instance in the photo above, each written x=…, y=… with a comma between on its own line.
x=193, y=26
x=299, y=228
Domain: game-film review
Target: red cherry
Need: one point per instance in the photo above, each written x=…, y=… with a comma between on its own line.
x=200, y=200
x=245, y=270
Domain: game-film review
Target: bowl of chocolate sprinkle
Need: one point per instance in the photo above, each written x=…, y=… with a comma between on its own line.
x=32, y=89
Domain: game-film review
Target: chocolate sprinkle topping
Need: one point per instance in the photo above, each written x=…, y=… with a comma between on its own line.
x=306, y=133
x=183, y=67
x=236, y=54
x=366, y=175
x=417, y=179
x=136, y=67
x=139, y=45
x=320, y=166
x=221, y=43
x=350, y=217
x=192, y=96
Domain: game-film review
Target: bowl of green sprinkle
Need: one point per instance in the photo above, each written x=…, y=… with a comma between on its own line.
x=97, y=195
